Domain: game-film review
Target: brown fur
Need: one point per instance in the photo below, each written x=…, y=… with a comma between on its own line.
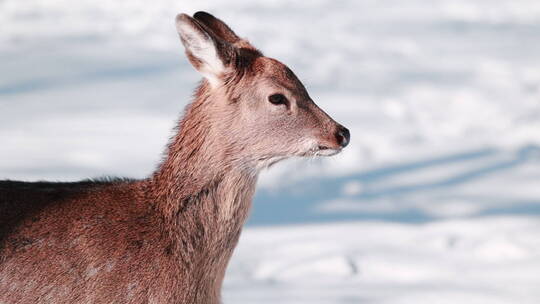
x=167, y=238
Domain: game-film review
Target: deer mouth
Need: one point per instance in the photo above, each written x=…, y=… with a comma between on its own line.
x=314, y=148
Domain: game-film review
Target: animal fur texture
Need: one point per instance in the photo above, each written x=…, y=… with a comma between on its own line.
x=167, y=238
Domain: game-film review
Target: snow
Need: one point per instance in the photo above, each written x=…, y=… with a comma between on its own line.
x=436, y=199
x=491, y=260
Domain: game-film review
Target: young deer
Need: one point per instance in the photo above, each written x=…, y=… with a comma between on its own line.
x=167, y=238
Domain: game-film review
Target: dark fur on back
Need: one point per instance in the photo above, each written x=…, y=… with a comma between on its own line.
x=20, y=200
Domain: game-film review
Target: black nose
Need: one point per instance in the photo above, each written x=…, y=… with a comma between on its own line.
x=343, y=136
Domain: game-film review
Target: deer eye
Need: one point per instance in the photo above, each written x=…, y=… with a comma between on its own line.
x=278, y=99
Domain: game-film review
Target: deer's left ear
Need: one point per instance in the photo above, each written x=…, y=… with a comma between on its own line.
x=210, y=55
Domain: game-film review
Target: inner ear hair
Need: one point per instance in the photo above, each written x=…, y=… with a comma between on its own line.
x=209, y=54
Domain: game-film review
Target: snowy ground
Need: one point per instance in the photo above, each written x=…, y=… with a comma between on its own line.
x=493, y=260
x=436, y=200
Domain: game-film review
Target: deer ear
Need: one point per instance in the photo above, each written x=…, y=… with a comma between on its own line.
x=222, y=30
x=210, y=55
x=217, y=26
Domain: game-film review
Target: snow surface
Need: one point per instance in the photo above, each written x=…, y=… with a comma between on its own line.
x=493, y=260
x=436, y=199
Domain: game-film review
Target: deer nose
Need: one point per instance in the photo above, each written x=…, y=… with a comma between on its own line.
x=343, y=136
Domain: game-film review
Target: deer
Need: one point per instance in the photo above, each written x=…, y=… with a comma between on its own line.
x=167, y=238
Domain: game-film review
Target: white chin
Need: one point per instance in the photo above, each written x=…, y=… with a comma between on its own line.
x=327, y=152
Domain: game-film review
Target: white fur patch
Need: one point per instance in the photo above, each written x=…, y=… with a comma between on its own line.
x=203, y=48
x=311, y=146
x=263, y=164
x=327, y=152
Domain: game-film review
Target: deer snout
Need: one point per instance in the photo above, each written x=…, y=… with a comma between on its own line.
x=343, y=136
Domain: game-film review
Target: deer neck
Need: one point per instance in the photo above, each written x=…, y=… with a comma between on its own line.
x=203, y=191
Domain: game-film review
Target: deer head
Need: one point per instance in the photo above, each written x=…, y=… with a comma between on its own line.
x=257, y=111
